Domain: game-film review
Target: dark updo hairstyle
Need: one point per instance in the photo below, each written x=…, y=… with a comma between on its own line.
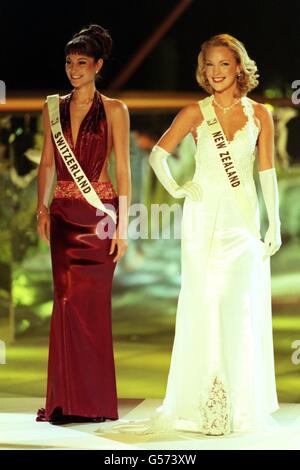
x=93, y=41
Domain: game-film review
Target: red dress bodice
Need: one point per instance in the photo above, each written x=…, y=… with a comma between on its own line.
x=91, y=144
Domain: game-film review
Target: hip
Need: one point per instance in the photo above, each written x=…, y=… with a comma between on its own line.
x=69, y=203
x=70, y=190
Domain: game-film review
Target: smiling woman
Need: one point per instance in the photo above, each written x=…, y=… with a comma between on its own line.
x=221, y=377
x=223, y=57
x=81, y=373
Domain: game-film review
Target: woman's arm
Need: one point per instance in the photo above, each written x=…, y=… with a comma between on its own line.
x=184, y=122
x=265, y=142
x=45, y=179
x=120, y=136
x=267, y=177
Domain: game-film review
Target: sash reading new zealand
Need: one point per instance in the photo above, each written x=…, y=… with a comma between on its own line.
x=245, y=204
x=75, y=171
x=225, y=156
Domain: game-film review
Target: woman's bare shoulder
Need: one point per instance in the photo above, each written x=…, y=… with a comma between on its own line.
x=260, y=109
x=191, y=111
x=263, y=115
x=113, y=103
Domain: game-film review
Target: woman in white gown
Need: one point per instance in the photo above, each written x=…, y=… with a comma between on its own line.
x=221, y=377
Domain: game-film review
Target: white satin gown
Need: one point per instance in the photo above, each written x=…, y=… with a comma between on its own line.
x=221, y=376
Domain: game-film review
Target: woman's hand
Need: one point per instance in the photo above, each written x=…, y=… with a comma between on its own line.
x=43, y=225
x=190, y=189
x=119, y=243
x=272, y=240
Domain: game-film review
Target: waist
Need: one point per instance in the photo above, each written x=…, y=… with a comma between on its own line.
x=70, y=190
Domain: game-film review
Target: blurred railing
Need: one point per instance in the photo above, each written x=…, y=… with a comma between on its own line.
x=135, y=100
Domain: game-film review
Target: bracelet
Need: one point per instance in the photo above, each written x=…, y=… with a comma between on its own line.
x=42, y=211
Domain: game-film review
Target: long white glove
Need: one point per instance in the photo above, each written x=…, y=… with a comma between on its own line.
x=158, y=161
x=269, y=188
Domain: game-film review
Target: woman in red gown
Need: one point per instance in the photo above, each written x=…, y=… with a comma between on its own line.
x=81, y=374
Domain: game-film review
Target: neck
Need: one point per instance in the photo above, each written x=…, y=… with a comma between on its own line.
x=227, y=97
x=84, y=93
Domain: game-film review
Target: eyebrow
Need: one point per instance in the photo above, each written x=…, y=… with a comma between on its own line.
x=222, y=60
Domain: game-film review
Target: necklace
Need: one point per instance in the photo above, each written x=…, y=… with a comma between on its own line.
x=226, y=108
x=82, y=105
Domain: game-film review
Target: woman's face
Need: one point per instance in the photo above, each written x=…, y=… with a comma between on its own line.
x=81, y=69
x=221, y=68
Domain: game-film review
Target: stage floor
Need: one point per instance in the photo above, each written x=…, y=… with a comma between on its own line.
x=19, y=430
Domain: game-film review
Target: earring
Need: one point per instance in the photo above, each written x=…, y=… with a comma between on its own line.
x=239, y=75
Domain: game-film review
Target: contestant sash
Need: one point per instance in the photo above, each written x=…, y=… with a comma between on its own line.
x=70, y=160
x=230, y=172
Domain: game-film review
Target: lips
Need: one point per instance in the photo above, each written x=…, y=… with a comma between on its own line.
x=218, y=80
x=75, y=77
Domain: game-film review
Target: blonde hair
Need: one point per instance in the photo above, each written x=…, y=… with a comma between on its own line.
x=248, y=78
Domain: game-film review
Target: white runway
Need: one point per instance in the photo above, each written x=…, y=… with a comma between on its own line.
x=19, y=430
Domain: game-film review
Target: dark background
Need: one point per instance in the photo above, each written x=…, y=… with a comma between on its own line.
x=33, y=36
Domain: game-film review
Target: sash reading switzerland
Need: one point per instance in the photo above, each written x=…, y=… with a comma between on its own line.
x=70, y=160
x=76, y=172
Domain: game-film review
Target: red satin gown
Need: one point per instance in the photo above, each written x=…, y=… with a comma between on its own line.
x=81, y=371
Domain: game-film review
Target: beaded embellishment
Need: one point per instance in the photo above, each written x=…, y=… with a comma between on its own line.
x=69, y=190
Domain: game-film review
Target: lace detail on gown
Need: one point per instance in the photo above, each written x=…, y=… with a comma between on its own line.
x=215, y=413
x=247, y=138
